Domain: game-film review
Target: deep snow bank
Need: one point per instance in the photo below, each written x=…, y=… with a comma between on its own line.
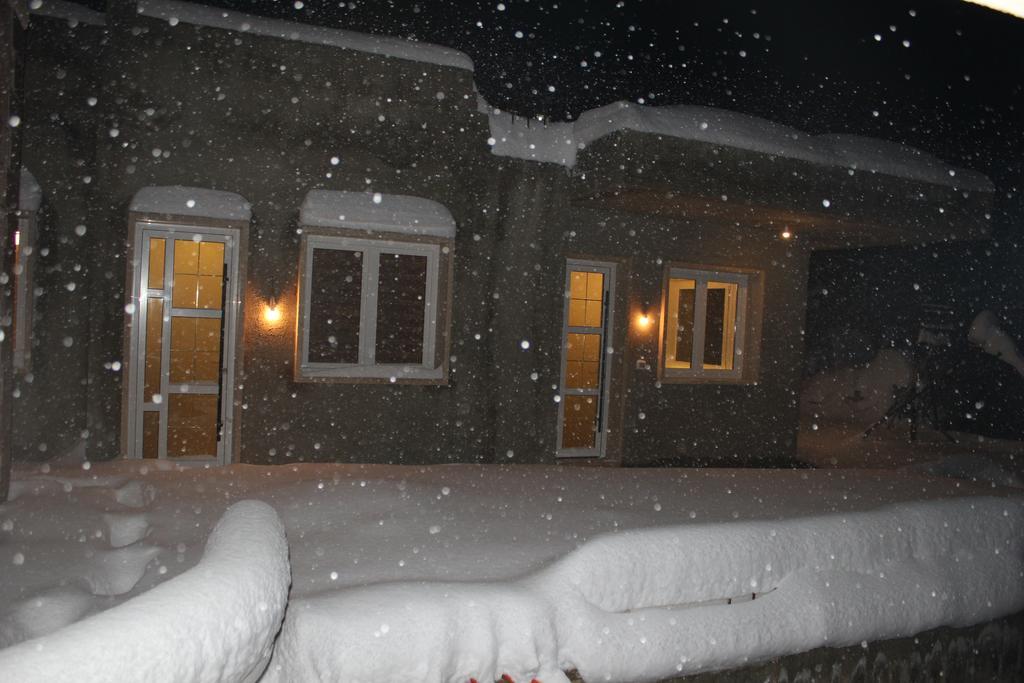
x=215, y=622
x=650, y=603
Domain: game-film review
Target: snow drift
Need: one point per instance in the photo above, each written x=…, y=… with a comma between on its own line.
x=857, y=395
x=652, y=603
x=215, y=622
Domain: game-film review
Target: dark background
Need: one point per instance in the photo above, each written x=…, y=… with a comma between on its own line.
x=941, y=75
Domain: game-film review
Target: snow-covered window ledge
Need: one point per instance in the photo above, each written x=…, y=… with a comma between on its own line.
x=374, y=290
x=711, y=325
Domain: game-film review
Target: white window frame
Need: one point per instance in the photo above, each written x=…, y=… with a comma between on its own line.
x=702, y=278
x=367, y=367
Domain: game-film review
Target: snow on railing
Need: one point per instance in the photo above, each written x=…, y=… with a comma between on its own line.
x=652, y=603
x=215, y=622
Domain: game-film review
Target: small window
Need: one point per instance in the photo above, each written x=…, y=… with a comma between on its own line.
x=705, y=318
x=369, y=309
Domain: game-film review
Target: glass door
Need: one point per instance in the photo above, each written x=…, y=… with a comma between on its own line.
x=583, y=408
x=180, y=405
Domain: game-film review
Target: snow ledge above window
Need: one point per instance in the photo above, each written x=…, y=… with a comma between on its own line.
x=191, y=201
x=393, y=213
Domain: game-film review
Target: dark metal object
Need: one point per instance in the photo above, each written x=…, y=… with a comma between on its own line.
x=920, y=400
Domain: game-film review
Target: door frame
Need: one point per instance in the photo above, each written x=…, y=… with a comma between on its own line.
x=608, y=337
x=236, y=233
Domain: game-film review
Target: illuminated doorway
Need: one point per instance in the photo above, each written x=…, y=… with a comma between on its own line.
x=181, y=351
x=586, y=335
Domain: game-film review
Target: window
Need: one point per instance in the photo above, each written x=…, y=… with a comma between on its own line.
x=705, y=319
x=369, y=309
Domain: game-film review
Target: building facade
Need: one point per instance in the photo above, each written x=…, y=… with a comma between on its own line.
x=265, y=242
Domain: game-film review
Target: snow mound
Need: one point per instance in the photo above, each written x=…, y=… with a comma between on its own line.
x=375, y=211
x=30, y=194
x=215, y=622
x=559, y=143
x=986, y=333
x=860, y=394
x=191, y=201
x=652, y=603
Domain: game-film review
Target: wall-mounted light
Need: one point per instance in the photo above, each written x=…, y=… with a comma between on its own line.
x=272, y=313
x=785, y=234
x=644, y=321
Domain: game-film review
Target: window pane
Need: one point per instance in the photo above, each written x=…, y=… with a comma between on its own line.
x=154, y=348
x=720, y=326
x=192, y=425
x=150, y=434
x=579, y=423
x=583, y=361
x=156, y=263
x=336, y=284
x=186, y=257
x=679, y=330
x=586, y=299
x=195, y=349
x=401, y=307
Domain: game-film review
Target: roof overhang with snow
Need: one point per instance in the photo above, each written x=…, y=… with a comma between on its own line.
x=561, y=143
x=175, y=12
x=377, y=212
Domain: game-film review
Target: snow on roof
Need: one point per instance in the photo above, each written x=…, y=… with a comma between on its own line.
x=559, y=143
x=388, y=46
x=30, y=194
x=191, y=201
x=376, y=211
x=74, y=14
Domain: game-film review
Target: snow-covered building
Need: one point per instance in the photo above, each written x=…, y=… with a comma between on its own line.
x=260, y=238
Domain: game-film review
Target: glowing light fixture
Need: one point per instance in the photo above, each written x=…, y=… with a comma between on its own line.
x=643, y=321
x=786, y=234
x=272, y=313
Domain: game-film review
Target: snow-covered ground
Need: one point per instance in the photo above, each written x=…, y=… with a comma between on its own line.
x=450, y=572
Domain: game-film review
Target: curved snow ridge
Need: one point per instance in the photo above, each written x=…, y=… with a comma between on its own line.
x=648, y=604
x=653, y=603
x=215, y=622
x=560, y=143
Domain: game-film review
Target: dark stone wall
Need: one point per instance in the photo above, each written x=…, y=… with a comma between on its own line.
x=59, y=128
x=653, y=423
x=263, y=118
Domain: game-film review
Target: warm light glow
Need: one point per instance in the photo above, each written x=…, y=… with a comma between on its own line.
x=786, y=234
x=643, y=321
x=17, y=238
x=271, y=313
x=1014, y=7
